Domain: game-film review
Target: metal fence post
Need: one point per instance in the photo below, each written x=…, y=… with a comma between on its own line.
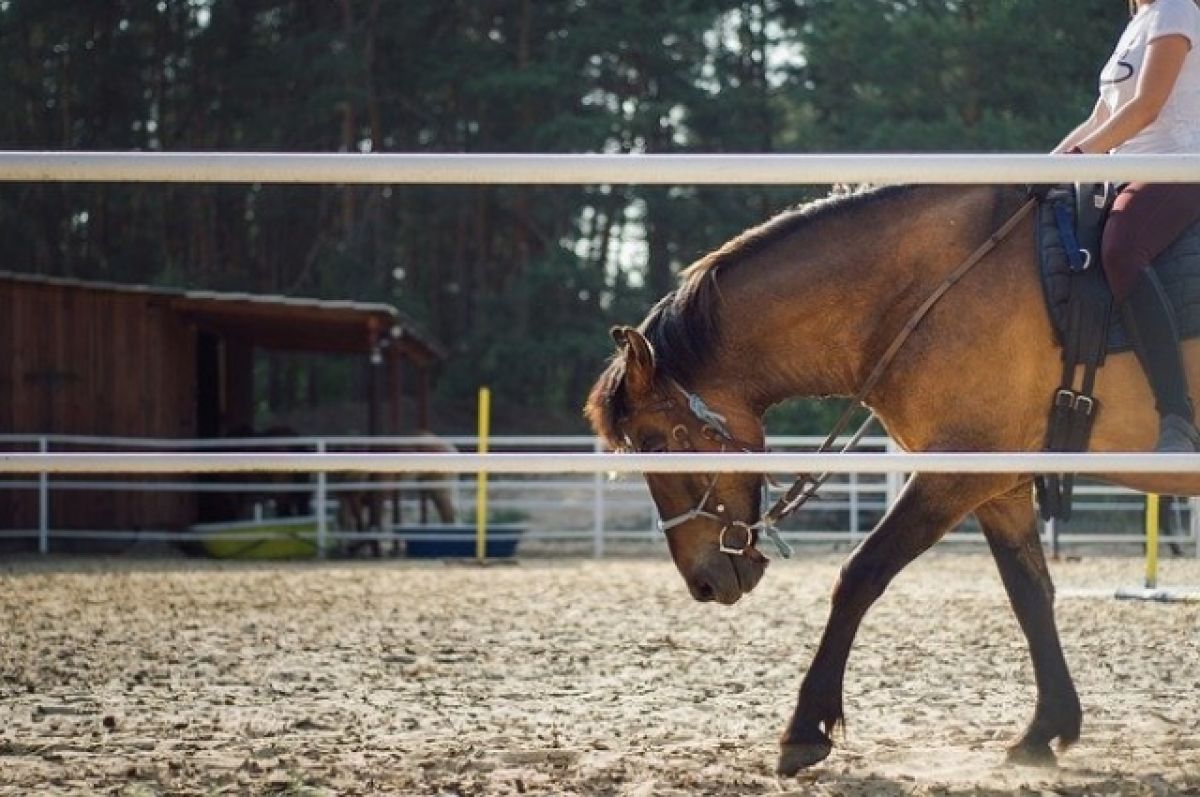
x=322, y=497
x=1194, y=522
x=598, y=479
x=894, y=480
x=855, y=530
x=43, y=502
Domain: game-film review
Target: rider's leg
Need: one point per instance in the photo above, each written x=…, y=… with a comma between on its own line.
x=1146, y=219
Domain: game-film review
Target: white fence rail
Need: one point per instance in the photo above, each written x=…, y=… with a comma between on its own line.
x=611, y=169
x=549, y=463
x=869, y=482
x=585, y=511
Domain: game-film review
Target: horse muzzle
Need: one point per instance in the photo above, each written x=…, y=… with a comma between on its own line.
x=725, y=579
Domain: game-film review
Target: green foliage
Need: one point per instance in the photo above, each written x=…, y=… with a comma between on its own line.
x=520, y=283
x=807, y=416
x=954, y=75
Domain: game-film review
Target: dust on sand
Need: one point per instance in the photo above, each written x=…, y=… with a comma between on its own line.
x=565, y=678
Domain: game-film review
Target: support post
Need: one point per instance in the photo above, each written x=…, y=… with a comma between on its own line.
x=395, y=389
x=855, y=530
x=598, y=508
x=322, y=498
x=43, y=502
x=372, y=391
x=423, y=398
x=1151, y=541
x=481, y=502
x=1194, y=523
x=895, y=481
x=375, y=384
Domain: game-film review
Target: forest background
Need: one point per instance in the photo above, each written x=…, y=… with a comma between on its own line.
x=519, y=283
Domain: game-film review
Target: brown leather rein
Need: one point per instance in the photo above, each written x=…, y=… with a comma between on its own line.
x=806, y=486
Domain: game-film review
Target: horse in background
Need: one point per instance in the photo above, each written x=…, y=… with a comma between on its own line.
x=362, y=510
x=293, y=499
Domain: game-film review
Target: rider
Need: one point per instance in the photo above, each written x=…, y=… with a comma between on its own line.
x=1150, y=103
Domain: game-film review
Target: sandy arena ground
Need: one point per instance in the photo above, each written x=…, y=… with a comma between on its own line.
x=565, y=678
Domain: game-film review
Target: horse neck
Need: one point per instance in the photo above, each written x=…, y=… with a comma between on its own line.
x=810, y=315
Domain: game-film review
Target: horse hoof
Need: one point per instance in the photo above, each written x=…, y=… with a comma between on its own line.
x=1031, y=755
x=795, y=757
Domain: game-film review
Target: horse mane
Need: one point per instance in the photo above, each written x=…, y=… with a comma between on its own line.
x=683, y=327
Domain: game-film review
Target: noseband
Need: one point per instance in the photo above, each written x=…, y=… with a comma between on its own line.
x=750, y=530
x=713, y=427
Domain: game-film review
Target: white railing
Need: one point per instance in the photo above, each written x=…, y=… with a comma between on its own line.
x=545, y=169
x=584, y=511
x=576, y=169
x=548, y=463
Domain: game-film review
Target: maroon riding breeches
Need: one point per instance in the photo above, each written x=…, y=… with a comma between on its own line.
x=1145, y=220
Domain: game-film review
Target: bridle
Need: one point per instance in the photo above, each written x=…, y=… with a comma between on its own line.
x=713, y=425
x=714, y=429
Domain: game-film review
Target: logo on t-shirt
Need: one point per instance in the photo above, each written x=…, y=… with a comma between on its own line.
x=1124, y=70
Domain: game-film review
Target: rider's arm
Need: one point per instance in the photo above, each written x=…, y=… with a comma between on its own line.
x=1164, y=62
x=1099, y=116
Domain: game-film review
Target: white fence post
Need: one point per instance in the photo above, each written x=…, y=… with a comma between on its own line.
x=893, y=479
x=43, y=502
x=322, y=497
x=598, y=480
x=855, y=529
x=1194, y=522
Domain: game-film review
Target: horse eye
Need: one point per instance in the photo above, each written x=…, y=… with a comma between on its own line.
x=654, y=445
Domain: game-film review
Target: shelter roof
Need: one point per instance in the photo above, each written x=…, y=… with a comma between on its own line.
x=271, y=321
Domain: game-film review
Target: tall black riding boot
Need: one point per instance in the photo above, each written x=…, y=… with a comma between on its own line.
x=1150, y=322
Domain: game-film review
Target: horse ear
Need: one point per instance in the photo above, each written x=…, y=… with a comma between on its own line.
x=639, y=360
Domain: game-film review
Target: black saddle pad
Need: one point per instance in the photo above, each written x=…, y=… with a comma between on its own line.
x=1178, y=269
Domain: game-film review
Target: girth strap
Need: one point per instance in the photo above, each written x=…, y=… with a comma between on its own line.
x=1073, y=411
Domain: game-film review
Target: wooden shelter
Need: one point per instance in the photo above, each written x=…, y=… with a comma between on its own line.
x=102, y=359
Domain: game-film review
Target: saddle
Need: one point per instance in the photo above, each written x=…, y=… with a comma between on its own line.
x=1079, y=301
x=1178, y=268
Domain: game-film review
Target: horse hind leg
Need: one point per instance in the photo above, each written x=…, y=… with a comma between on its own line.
x=442, y=502
x=929, y=506
x=1011, y=530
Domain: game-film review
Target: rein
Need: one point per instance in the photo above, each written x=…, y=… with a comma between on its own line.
x=806, y=486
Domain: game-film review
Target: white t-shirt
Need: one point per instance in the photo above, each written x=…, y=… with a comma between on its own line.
x=1177, y=128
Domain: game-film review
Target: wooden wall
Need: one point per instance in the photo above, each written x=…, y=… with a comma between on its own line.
x=94, y=362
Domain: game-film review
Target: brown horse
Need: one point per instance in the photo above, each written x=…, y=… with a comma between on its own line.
x=362, y=510
x=805, y=305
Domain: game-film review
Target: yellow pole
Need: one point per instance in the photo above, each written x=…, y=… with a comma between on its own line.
x=1151, y=541
x=485, y=412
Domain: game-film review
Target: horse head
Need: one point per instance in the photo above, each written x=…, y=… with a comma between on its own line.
x=708, y=519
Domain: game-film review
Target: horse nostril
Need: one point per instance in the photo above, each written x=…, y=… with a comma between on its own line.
x=704, y=592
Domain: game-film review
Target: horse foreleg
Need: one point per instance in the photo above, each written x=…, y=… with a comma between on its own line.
x=1011, y=530
x=929, y=506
